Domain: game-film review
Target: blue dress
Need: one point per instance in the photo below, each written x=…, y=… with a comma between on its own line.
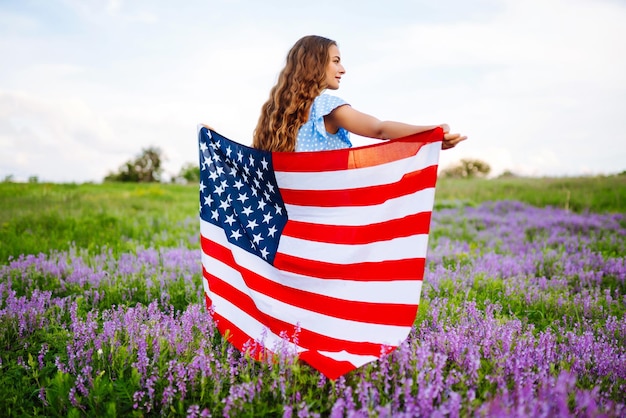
x=312, y=136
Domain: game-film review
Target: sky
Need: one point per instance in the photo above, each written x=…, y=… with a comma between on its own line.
x=538, y=86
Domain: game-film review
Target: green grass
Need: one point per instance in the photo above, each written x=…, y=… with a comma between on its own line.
x=38, y=218
x=578, y=194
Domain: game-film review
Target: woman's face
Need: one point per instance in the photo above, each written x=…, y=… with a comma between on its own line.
x=335, y=70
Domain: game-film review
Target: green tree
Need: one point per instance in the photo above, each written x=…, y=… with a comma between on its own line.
x=146, y=168
x=466, y=169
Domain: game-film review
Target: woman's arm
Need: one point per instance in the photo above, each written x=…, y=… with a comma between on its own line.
x=366, y=125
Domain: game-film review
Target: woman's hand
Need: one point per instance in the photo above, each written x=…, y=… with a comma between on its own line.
x=450, y=140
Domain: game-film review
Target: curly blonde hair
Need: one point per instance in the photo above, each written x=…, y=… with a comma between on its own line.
x=302, y=79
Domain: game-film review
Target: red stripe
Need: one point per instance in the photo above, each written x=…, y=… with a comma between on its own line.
x=368, y=312
x=415, y=224
x=390, y=270
x=363, y=196
x=344, y=159
x=306, y=338
x=332, y=369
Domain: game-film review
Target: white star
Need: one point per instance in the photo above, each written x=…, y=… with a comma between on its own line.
x=208, y=200
x=219, y=190
x=215, y=215
x=254, y=192
x=213, y=175
x=228, y=151
x=235, y=234
x=243, y=197
x=259, y=173
x=203, y=147
x=257, y=183
x=220, y=170
x=247, y=210
x=213, y=145
x=271, y=187
x=264, y=162
x=239, y=156
x=272, y=231
x=252, y=224
x=224, y=184
x=279, y=210
x=257, y=238
x=267, y=195
x=224, y=204
x=267, y=218
x=246, y=169
x=216, y=158
x=217, y=143
x=238, y=184
x=264, y=253
x=262, y=204
x=230, y=220
x=202, y=187
x=251, y=159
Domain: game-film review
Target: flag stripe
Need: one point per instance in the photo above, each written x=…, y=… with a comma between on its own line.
x=364, y=215
x=383, y=251
x=363, y=196
x=357, y=177
x=410, y=269
x=414, y=224
x=367, y=156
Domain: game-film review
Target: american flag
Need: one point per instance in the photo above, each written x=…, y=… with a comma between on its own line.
x=322, y=252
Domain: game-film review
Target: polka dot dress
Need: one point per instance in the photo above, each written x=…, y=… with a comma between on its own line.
x=313, y=136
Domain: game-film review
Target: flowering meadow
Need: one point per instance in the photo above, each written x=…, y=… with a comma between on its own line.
x=523, y=313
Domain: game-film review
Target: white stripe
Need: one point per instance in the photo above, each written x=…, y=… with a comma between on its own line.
x=414, y=246
x=356, y=359
x=399, y=207
x=399, y=291
x=323, y=324
x=386, y=173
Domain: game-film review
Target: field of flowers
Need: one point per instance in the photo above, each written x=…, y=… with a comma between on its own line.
x=523, y=313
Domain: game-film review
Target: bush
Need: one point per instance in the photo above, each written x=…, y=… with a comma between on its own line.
x=146, y=168
x=467, y=169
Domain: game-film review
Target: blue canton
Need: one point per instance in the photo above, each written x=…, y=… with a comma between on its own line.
x=239, y=193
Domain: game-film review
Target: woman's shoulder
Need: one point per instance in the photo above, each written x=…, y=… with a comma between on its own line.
x=326, y=103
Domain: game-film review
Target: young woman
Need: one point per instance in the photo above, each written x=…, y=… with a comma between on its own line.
x=299, y=117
